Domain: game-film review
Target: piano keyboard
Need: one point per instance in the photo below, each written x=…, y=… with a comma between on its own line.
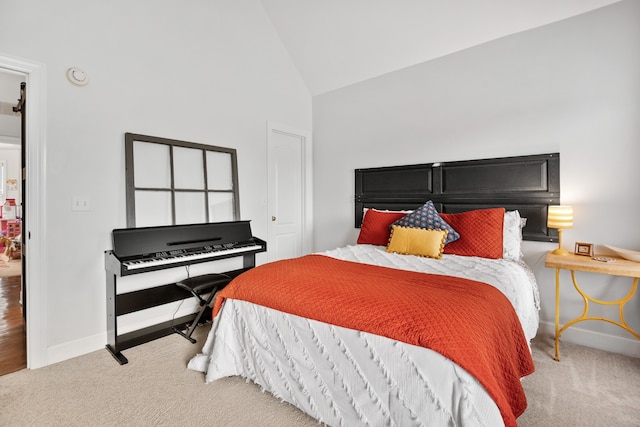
x=154, y=262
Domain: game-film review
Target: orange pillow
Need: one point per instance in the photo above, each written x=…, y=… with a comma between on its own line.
x=481, y=233
x=375, y=227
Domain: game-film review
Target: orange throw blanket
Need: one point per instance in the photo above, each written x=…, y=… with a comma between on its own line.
x=471, y=323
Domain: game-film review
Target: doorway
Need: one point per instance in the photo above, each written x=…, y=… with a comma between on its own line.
x=13, y=350
x=289, y=191
x=33, y=184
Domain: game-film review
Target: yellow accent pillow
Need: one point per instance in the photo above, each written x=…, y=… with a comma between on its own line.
x=417, y=241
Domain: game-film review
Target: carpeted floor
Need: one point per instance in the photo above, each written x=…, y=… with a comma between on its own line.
x=587, y=388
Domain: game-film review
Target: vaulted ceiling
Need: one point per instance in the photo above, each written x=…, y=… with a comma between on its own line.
x=335, y=43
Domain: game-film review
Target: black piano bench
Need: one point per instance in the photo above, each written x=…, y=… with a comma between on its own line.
x=199, y=286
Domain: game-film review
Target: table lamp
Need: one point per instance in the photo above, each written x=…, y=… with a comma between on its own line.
x=560, y=217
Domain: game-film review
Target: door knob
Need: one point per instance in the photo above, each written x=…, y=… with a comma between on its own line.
x=273, y=218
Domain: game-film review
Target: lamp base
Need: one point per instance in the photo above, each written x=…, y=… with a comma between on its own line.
x=560, y=251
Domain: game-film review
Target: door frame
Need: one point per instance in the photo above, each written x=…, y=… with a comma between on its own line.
x=307, y=184
x=35, y=212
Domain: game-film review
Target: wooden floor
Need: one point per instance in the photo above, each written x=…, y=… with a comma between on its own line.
x=13, y=345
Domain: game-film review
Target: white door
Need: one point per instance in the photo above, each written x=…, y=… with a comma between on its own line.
x=289, y=192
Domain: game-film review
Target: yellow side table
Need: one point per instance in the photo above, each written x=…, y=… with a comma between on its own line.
x=573, y=263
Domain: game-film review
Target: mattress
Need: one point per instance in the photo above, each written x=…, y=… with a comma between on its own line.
x=344, y=377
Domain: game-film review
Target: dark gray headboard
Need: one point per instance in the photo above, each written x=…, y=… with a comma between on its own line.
x=526, y=183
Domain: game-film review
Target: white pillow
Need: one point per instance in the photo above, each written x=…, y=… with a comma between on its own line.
x=364, y=211
x=512, y=235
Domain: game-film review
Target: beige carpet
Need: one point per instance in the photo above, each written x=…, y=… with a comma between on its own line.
x=587, y=388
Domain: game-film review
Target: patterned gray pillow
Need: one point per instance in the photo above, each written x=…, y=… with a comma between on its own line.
x=427, y=217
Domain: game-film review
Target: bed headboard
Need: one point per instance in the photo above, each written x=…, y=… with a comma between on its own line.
x=526, y=183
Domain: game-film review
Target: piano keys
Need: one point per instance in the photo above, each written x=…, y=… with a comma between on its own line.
x=147, y=249
x=138, y=250
x=207, y=253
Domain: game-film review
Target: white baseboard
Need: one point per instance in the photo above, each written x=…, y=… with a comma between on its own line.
x=626, y=346
x=126, y=323
x=76, y=348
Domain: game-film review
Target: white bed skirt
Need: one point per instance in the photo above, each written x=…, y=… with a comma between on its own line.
x=340, y=376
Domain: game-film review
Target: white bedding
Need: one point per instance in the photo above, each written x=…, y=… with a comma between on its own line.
x=349, y=378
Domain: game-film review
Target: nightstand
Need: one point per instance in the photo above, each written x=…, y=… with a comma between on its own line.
x=573, y=263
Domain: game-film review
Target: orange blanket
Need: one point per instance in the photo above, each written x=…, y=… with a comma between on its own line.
x=470, y=323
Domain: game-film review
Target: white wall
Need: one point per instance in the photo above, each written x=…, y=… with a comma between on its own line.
x=571, y=87
x=206, y=71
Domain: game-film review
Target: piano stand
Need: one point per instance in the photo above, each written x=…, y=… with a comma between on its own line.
x=150, y=249
x=198, y=286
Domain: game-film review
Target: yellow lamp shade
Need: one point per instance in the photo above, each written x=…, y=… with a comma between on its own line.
x=560, y=217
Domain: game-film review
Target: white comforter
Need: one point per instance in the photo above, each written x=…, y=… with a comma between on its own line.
x=349, y=378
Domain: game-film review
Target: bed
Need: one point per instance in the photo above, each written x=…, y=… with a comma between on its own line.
x=410, y=325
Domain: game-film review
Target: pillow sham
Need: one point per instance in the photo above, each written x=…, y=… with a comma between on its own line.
x=417, y=241
x=375, y=226
x=426, y=216
x=481, y=233
x=364, y=210
x=512, y=235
